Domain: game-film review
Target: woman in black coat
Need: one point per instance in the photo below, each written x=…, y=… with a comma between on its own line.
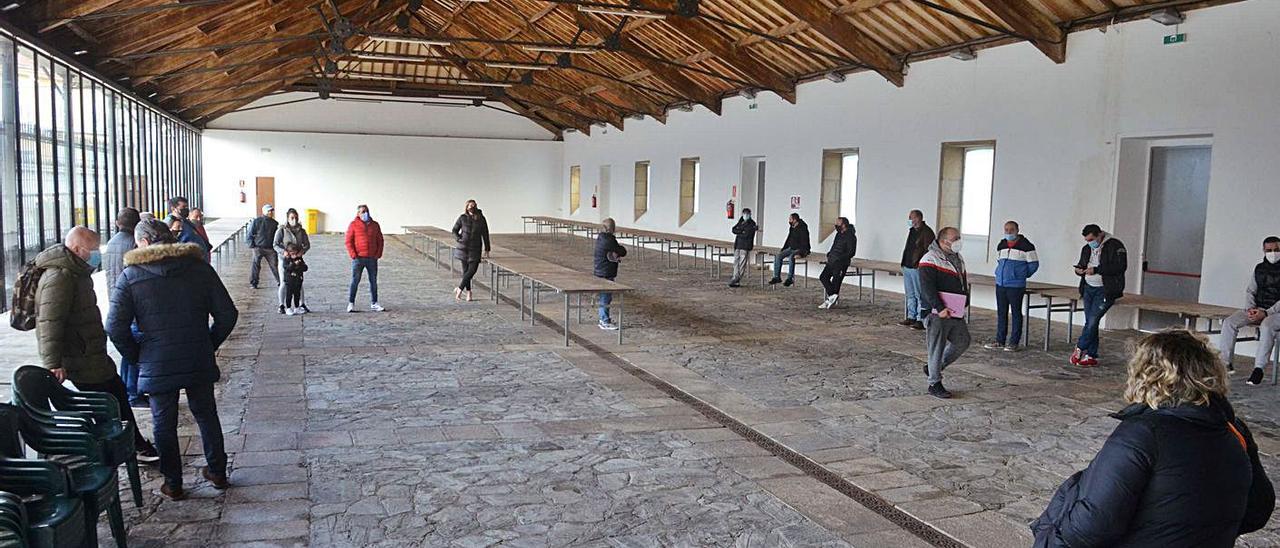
x=472, y=233
x=1179, y=471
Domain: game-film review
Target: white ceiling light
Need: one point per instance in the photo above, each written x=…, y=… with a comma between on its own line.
x=11, y=6
x=484, y=84
x=384, y=57
x=561, y=49
x=388, y=78
x=748, y=93
x=517, y=66
x=964, y=54
x=466, y=97
x=836, y=77
x=411, y=40
x=80, y=52
x=622, y=12
x=1168, y=16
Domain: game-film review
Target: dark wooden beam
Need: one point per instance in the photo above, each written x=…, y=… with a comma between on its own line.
x=1028, y=21
x=844, y=34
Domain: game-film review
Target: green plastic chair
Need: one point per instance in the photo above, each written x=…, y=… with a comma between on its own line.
x=40, y=394
x=13, y=521
x=96, y=482
x=51, y=515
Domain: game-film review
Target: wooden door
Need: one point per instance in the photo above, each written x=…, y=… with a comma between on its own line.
x=266, y=193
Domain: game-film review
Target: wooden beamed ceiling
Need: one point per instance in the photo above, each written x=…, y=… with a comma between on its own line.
x=201, y=59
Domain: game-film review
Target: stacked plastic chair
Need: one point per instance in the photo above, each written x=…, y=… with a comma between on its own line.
x=82, y=431
x=50, y=513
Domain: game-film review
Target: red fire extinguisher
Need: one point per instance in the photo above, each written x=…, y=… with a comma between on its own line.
x=728, y=209
x=242, y=197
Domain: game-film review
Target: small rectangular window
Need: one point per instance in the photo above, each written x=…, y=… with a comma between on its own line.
x=965, y=188
x=575, y=188
x=642, y=189
x=839, y=189
x=690, y=175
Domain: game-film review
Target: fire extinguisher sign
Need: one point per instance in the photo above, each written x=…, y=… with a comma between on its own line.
x=795, y=202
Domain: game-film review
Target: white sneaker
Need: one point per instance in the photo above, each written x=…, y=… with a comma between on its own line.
x=376, y=307
x=351, y=307
x=288, y=312
x=834, y=299
x=608, y=325
x=299, y=310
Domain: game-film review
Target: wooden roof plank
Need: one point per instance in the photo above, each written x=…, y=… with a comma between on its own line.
x=838, y=30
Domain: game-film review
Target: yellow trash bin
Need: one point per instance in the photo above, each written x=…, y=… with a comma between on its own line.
x=313, y=221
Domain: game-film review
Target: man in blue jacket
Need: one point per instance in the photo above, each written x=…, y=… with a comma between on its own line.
x=180, y=209
x=1016, y=261
x=171, y=292
x=608, y=254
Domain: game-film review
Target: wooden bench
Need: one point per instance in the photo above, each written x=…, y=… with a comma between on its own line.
x=535, y=274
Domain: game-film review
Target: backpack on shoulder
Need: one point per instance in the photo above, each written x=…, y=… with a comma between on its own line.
x=22, y=313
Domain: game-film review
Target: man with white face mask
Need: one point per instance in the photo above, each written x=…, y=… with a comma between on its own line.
x=1262, y=308
x=744, y=240
x=944, y=296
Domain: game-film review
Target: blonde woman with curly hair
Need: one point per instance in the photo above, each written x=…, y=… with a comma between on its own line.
x=1179, y=471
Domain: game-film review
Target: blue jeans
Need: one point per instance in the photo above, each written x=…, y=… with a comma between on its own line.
x=911, y=287
x=1009, y=303
x=1096, y=306
x=785, y=254
x=164, y=414
x=357, y=267
x=605, y=299
x=129, y=368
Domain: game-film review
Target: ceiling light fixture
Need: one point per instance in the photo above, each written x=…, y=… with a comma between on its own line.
x=1168, y=16
x=484, y=84
x=836, y=77
x=748, y=93
x=964, y=54
x=560, y=49
x=686, y=107
x=463, y=97
x=517, y=66
x=377, y=77
x=621, y=12
x=80, y=52
x=385, y=57
x=411, y=40
x=11, y=6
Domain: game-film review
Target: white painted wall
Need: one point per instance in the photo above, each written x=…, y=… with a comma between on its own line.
x=404, y=180
x=1057, y=129
x=383, y=118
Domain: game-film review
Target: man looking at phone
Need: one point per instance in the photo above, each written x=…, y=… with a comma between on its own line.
x=1103, y=262
x=944, y=292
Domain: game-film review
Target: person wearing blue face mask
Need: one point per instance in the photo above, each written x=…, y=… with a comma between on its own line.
x=919, y=237
x=744, y=240
x=69, y=330
x=1102, y=265
x=1016, y=260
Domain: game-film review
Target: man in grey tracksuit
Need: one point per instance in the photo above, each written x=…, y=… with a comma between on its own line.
x=942, y=271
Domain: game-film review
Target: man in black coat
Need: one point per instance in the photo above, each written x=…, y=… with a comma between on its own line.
x=261, y=237
x=797, y=245
x=608, y=254
x=744, y=240
x=843, y=247
x=1103, y=262
x=171, y=292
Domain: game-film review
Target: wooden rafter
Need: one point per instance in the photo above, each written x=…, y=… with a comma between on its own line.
x=1027, y=20
x=847, y=36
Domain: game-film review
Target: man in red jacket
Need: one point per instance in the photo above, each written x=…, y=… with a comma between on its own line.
x=364, y=244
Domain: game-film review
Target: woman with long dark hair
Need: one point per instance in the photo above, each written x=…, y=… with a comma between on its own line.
x=472, y=233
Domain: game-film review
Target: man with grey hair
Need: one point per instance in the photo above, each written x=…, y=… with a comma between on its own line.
x=72, y=343
x=608, y=254
x=944, y=295
x=171, y=292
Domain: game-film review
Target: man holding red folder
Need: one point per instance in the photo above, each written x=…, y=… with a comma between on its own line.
x=944, y=290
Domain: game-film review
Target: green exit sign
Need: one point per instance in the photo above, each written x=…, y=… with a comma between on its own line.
x=1175, y=38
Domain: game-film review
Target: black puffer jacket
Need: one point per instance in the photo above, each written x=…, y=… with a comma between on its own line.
x=262, y=232
x=606, y=243
x=1166, y=478
x=472, y=234
x=745, y=234
x=798, y=238
x=918, y=241
x=843, y=247
x=171, y=292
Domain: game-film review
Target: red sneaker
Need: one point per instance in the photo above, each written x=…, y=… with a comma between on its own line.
x=1075, y=357
x=1088, y=361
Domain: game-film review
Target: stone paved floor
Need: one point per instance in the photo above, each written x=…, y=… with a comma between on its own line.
x=446, y=424
x=844, y=386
